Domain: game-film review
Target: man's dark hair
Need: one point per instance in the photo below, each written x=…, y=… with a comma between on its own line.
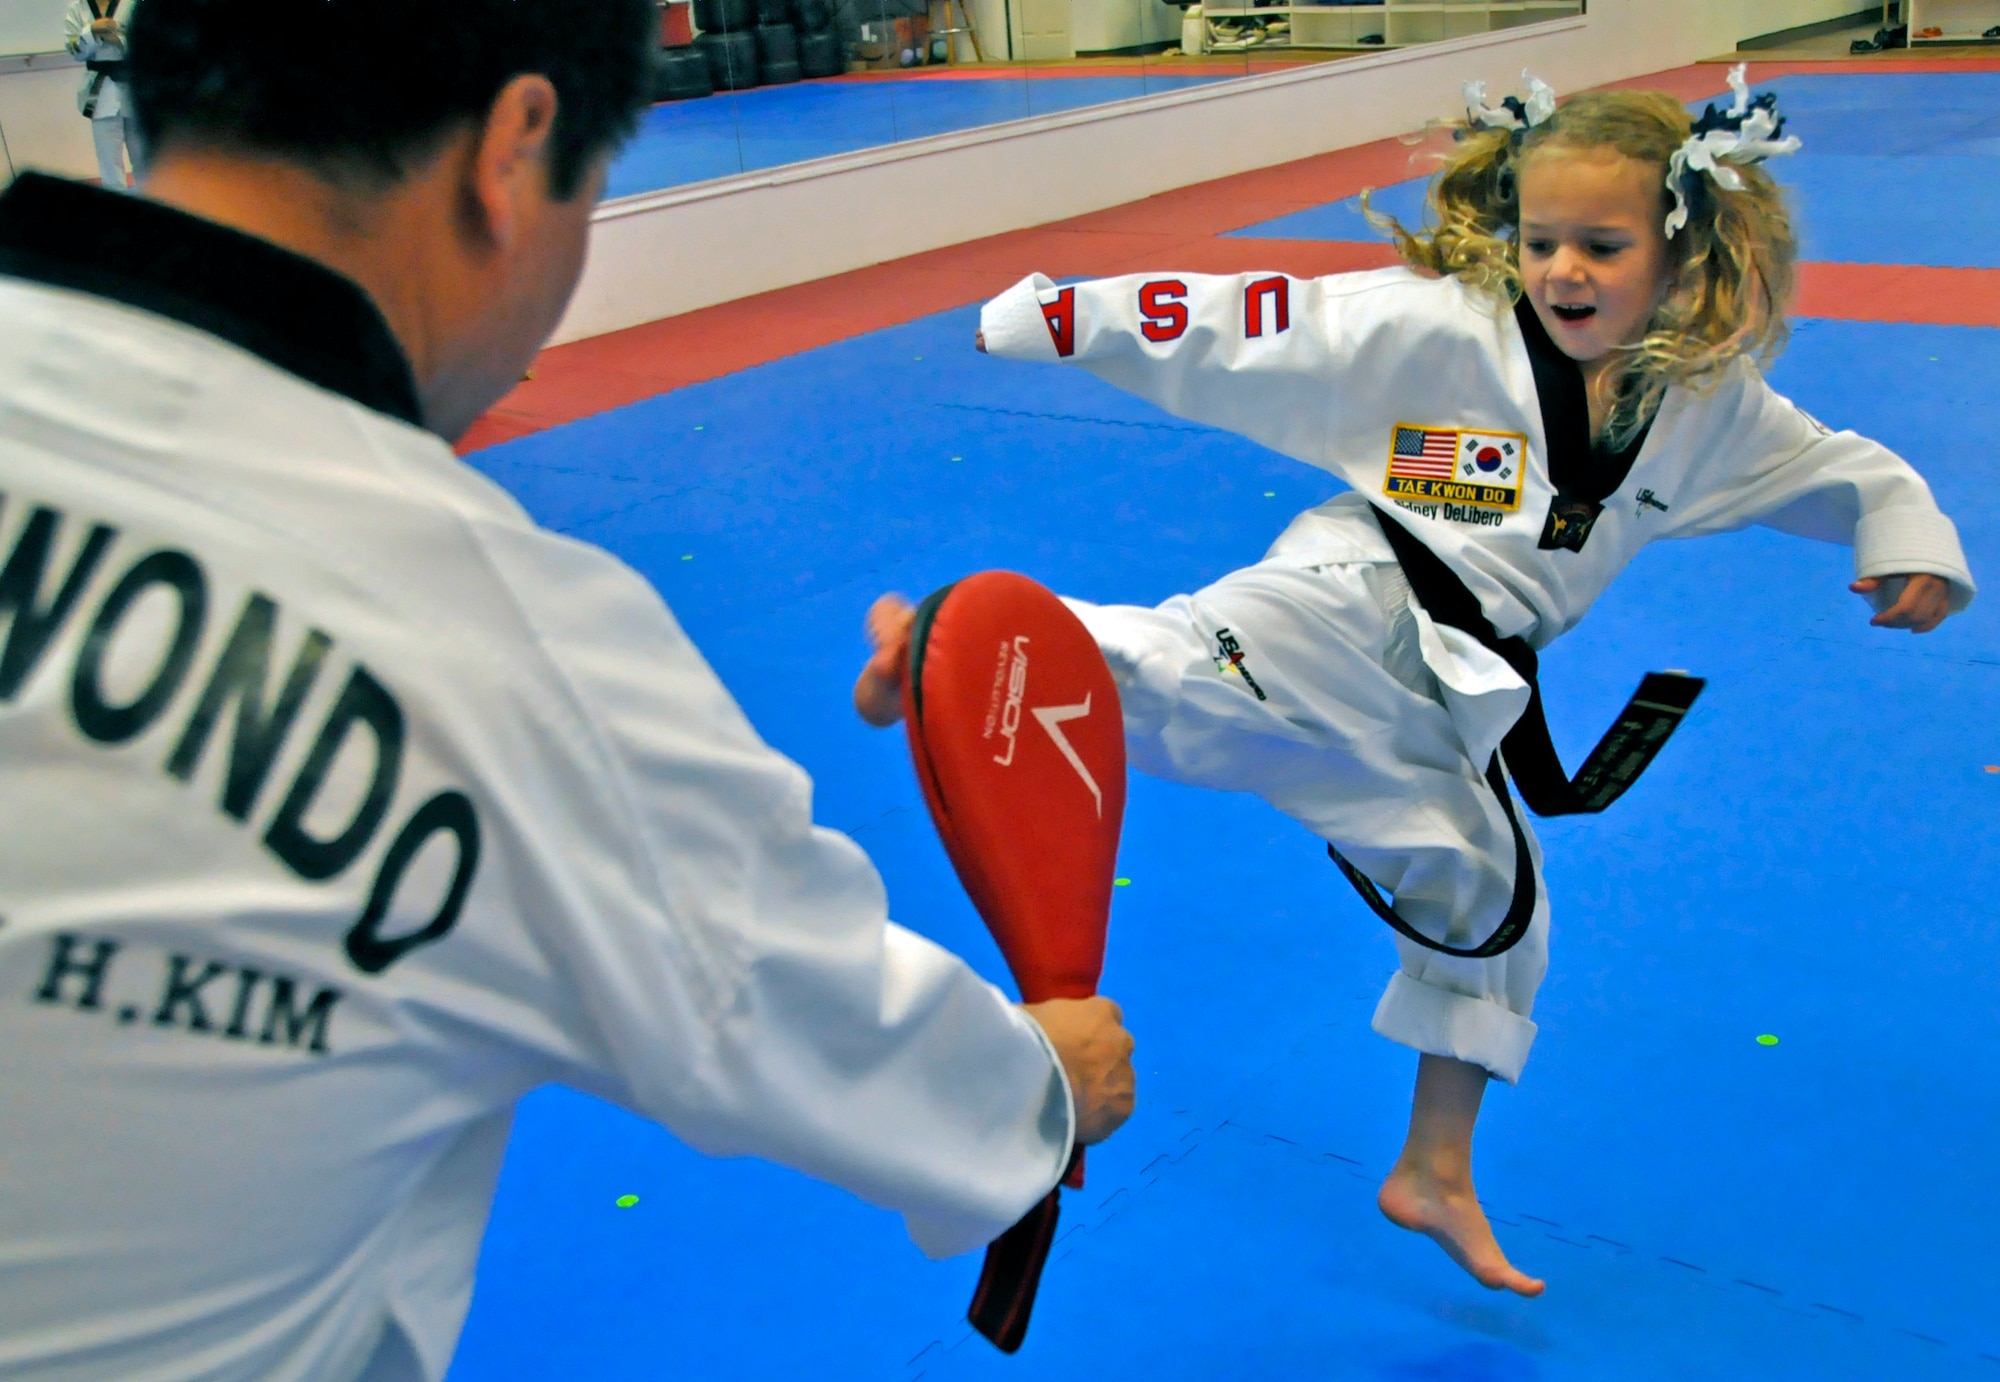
x=364, y=88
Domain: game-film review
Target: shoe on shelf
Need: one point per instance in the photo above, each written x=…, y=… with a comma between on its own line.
x=1930, y=31
x=1993, y=32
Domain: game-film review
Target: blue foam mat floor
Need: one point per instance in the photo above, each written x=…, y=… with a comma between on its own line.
x=739, y=132
x=1896, y=168
x=1808, y=860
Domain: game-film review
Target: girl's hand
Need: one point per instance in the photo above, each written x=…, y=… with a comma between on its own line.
x=979, y=341
x=878, y=693
x=1923, y=605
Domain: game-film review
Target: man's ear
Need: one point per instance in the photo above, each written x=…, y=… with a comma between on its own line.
x=509, y=167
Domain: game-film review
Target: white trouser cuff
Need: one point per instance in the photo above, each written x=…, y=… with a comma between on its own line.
x=1439, y=1022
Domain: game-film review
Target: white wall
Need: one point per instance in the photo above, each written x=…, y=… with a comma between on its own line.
x=38, y=116
x=39, y=121
x=1692, y=29
x=1771, y=16
x=31, y=26
x=990, y=17
x=1102, y=25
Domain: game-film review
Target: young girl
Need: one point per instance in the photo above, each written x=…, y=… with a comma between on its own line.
x=1566, y=371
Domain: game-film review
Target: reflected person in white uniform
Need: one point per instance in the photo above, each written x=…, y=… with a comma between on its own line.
x=94, y=31
x=345, y=805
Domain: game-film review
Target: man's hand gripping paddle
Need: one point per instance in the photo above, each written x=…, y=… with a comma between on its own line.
x=1019, y=744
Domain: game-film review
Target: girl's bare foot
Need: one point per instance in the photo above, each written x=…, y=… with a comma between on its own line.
x=1449, y=1214
x=1430, y=1191
x=878, y=692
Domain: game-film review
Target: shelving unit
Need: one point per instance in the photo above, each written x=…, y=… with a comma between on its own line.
x=1963, y=21
x=1400, y=23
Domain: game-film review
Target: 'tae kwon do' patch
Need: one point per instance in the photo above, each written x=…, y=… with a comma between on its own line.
x=1454, y=465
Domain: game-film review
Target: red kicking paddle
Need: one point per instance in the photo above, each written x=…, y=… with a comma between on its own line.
x=1019, y=744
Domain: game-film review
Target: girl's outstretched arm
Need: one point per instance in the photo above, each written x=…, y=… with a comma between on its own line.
x=1923, y=602
x=1261, y=355
x=1760, y=459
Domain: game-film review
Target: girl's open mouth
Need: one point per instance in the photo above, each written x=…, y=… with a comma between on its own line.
x=1572, y=312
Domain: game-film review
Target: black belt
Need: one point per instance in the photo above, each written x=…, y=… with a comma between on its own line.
x=1633, y=741
x=114, y=68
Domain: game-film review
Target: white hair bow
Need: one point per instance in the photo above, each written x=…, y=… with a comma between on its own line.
x=1513, y=113
x=1748, y=132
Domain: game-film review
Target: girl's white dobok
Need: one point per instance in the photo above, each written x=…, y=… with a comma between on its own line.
x=1313, y=679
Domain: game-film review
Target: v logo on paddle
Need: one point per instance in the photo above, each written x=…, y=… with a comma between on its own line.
x=1053, y=718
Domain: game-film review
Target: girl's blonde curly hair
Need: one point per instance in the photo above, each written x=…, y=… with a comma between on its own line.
x=1732, y=265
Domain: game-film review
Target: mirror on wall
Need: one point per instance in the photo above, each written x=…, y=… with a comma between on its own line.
x=749, y=86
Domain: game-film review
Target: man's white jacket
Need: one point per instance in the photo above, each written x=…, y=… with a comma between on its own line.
x=344, y=806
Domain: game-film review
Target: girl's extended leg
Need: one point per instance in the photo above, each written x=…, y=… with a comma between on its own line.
x=1430, y=1191
x=1306, y=688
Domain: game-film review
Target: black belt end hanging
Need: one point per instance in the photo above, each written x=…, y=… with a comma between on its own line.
x=1012, y=1274
x=1635, y=738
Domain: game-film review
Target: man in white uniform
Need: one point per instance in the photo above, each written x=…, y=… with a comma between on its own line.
x=94, y=31
x=343, y=805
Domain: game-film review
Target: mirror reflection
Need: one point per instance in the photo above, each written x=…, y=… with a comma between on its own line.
x=749, y=85
x=746, y=85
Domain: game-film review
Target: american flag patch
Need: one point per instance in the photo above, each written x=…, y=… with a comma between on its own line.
x=1423, y=453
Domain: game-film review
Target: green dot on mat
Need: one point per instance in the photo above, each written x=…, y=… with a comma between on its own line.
x=687, y=556
x=1121, y=882
x=699, y=427
x=1270, y=494
x=627, y=1201
x=1767, y=1040
x=958, y=458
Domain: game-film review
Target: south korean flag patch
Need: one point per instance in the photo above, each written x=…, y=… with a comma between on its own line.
x=1492, y=458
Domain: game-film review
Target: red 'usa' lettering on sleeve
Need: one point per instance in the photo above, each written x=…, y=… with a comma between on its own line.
x=1163, y=305
x=1061, y=317
x=1279, y=291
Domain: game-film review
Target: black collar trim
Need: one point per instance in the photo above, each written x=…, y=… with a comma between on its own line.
x=1577, y=468
x=296, y=314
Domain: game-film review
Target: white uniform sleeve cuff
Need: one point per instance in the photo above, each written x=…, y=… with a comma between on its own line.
x=1909, y=539
x=948, y=1235
x=1439, y=1022
x=1013, y=324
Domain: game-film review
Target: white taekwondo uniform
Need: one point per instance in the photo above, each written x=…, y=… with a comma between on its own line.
x=1314, y=679
x=344, y=806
